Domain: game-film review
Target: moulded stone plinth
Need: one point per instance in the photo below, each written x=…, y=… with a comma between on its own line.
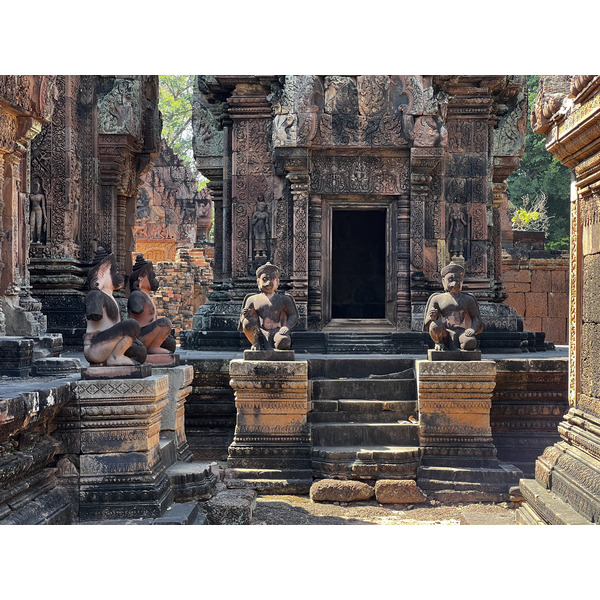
x=458, y=453
x=173, y=413
x=455, y=398
x=118, y=428
x=271, y=430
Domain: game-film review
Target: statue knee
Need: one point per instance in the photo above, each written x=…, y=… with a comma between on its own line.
x=164, y=322
x=130, y=328
x=468, y=342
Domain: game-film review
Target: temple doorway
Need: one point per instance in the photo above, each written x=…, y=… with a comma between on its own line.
x=358, y=264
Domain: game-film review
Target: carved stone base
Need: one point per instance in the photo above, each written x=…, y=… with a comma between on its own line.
x=119, y=372
x=121, y=472
x=452, y=355
x=173, y=414
x=271, y=447
x=16, y=356
x=568, y=473
x=163, y=360
x=458, y=454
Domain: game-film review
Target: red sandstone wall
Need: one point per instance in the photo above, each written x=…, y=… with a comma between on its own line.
x=183, y=287
x=538, y=289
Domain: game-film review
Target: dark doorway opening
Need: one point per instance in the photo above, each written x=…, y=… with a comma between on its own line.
x=358, y=264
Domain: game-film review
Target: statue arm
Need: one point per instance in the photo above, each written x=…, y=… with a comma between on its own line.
x=94, y=306
x=291, y=312
x=431, y=305
x=476, y=322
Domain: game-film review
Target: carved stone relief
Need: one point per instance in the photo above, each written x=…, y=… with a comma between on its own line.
x=362, y=174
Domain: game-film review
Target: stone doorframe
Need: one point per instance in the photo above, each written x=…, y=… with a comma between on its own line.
x=359, y=202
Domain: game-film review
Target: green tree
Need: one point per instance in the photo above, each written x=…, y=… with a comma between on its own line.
x=175, y=104
x=541, y=173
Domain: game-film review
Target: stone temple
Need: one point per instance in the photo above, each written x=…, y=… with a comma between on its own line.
x=361, y=190
x=371, y=185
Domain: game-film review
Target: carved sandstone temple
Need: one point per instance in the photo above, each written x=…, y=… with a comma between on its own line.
x=566, y=488
x=86, y=164
x=371, y=185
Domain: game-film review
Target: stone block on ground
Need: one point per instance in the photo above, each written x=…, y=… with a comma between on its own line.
x=231, y=507
x=390, y=491
x=185, y=513
x=333, y=490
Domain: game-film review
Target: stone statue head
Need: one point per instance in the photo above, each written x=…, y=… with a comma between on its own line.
x=104, y=268
x=267, y=278
x=143, y=268
x=261, y=205
x=453, y=275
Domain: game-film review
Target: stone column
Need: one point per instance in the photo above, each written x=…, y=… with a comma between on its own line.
x=271, y=445
x=566, y=489
x=458, y=454
x=173, y=414
x=115, y=430
x=299, y=279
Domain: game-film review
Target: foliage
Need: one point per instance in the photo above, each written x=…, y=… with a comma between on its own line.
x=541, y=173
x=531, y=216
x=175, y=104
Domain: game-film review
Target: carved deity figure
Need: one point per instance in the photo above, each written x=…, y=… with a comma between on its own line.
x=260, y=229
x=37, y=213
x=452, y=317
x=155, y=333
x=268, y=317
x=108, y=340
x=457, y=229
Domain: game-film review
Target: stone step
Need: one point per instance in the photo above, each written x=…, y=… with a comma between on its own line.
x=370, y=434
x=185, y=513
x=366, y=462
x=363, y=389
x=360, y=348
x=270, y=481
x=336, y=366
x=503, y=475
x=345, y=411
x=191, y=480
x=546, y=507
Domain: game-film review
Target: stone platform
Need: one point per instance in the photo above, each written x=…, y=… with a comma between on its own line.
x=459, y=459
x=115, y=429
x=271, y=447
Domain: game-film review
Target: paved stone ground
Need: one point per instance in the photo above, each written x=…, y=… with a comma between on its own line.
x=301, y=510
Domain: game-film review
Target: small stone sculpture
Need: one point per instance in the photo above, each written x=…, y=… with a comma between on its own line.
x=457, y=227
x=260, y=229
x=108, y=341
x=37, y=213
x=154, y=333
x=268, y=317
x=452, y=317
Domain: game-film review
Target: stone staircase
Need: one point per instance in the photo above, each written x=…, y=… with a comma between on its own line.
x=352, y=343
x=364, y=419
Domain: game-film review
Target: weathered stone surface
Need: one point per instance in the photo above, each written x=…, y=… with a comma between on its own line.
x=173, y=414
x=333, y=490
x=121, y=372
x=390, y=491
x=271, y=428
x=231, y=507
